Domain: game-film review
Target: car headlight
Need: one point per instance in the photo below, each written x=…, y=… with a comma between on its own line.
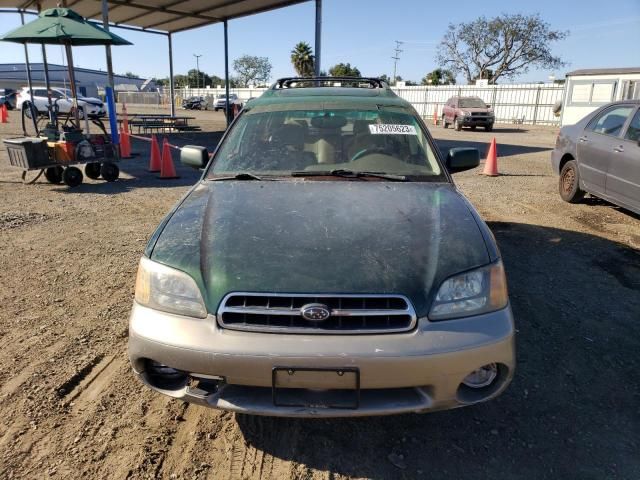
x=466, y=114
x=471, y=293
x=167, y=289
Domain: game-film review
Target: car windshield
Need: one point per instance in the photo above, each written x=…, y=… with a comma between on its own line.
x=281, y=142
x=472, y=103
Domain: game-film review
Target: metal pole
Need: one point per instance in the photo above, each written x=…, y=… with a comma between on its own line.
x=72, y=78
x=26, y=56
x=107, y=48
x=197, y=70
x=318, y=36
x=226, y=70
x=171, y=86
x=45, y=65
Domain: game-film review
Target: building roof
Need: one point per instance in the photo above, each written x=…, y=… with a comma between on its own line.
x=602, y=71
x=161, y=15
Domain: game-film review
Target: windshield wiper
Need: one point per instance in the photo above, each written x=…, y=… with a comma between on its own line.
x=240, y=176
x=349, y=174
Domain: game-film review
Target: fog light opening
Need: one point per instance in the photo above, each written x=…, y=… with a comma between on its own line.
x=165, y=377
x=481, y=377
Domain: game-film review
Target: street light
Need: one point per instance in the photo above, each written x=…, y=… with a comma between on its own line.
x=197, y=70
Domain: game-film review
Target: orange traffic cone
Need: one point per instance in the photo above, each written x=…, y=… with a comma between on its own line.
x=4, y=113
x=491, y=164
x=435, y=115
x=167, y=170
x=125, y=119
x=125, y=144
x=155, y=163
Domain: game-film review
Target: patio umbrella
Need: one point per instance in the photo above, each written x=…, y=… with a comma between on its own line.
x=57, y=26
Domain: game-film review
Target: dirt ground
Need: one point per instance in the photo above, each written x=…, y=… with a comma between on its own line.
x=70, y=408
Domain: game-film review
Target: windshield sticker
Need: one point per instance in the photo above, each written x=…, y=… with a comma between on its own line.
x=388, y=129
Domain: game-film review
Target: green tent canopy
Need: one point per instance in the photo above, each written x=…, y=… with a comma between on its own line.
x=62, y=26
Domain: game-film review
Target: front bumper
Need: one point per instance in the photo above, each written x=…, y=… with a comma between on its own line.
x=418, y=371
x=470, y=121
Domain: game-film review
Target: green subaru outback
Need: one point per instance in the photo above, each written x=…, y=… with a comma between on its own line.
x=324, y=265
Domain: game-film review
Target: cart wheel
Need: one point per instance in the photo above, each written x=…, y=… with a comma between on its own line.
x=72, y=176
x=92, y=170
x=110, y=171
x=53, y=174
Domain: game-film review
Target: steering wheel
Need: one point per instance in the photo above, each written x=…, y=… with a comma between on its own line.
x=370, y=151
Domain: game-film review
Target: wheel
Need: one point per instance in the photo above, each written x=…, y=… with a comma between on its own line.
x=569, y=185
x=458, y=124
x=53, y=174
x=444, y=122
x=216, y=109
x=110, y=171
x=488, y=128
x=72, y=176
x=473, y=127
x=92, y=170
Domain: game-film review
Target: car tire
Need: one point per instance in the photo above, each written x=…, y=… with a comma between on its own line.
x=92, y=170
x=53, y=174
x=72, y=176
x=110, y=171
x=444, y=122
x=569, y=183
x=458, y=124
x=488, y=128
x=473, y=127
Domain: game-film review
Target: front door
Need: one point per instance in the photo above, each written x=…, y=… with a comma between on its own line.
x=596, y=143
x=623, y=176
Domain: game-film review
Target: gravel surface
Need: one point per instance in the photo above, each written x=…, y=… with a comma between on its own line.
x=70, y=408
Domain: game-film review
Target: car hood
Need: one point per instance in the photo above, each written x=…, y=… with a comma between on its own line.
x=474, y=109
x=300, y=236
x=91, y=100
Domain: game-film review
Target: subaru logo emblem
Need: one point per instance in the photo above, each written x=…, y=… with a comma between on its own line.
x=315, y=312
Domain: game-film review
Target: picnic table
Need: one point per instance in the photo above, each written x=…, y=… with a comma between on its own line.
x=149, y=123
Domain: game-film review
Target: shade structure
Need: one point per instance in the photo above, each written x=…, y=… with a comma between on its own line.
x=62, y=26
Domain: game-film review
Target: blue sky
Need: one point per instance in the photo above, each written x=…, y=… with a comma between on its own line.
x=362, y=32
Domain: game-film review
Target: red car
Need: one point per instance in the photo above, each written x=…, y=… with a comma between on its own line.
x=467, y=112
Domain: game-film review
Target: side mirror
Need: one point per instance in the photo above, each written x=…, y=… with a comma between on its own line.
x=488, y=106
x=461, y=159
x=194, y=156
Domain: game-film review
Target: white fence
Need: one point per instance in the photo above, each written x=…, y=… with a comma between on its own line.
x=527, y=103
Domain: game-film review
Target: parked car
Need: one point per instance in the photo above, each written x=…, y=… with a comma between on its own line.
x=325, y=265
x=8, y=98
x=221, y=101
x=63, y=98
x=195, y=103
x=600, y=155
x=467, y=112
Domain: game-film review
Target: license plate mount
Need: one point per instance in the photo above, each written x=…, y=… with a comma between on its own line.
x=346, y=397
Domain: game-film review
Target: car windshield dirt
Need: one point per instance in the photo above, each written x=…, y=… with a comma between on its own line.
x=472, y=103
x=282, y=142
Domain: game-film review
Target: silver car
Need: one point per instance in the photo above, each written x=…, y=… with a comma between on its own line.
x=600, y=155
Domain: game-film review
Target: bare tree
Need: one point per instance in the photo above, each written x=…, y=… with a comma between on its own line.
x=252, y=70
x=506, y=46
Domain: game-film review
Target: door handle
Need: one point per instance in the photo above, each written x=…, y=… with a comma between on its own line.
x=619, y=149
x=583, y=138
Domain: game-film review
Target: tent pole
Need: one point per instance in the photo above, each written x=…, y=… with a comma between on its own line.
x=26, y=57
x=72, y=79
x=172, y=99
x=45, y=66
x=318, y=36
x=226, y=71
x=107, y=48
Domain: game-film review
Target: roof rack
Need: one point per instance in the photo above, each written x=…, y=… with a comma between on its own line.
x=310, y=82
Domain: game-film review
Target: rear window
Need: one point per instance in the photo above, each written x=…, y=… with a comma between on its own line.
x=280, y=142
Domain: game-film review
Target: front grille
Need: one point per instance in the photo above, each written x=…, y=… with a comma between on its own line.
x=348, y=314
x=478, y=114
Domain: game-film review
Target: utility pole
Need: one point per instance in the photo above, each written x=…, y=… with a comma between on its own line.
x=197, y=70
x=396, y=57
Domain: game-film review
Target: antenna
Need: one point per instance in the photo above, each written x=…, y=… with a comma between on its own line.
x=396, y=57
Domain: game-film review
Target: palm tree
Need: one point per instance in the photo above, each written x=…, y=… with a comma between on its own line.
x=303, y=59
